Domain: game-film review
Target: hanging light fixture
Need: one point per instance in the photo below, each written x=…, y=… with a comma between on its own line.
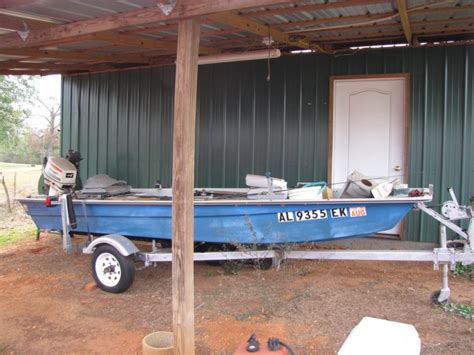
x=239, y=57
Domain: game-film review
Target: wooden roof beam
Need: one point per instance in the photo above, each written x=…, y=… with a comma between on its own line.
x=76, y=55
x=135, y=41
x=402, y=11
x=184, y=9
x=30, y=72
x=252, y=26
x=385, y=26
x=314, y=7
x=10, y=64
x=15, y=23
x=395, y=35
x=145, y=42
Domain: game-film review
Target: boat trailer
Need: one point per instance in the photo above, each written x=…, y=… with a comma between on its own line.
x=114, y=256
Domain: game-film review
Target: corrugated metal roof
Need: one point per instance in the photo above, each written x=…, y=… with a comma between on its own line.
x=336, y=23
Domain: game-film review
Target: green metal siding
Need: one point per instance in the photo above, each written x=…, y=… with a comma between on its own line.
x=122, y=121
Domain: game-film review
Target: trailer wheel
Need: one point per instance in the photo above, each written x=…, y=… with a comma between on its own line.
x=264, y=264
x=112, y=271
x=213, y=247
x=435, y=299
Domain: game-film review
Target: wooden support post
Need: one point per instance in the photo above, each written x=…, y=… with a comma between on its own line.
x=7, y=196
x=183, y=185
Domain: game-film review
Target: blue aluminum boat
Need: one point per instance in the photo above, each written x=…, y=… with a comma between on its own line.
x=235, y=220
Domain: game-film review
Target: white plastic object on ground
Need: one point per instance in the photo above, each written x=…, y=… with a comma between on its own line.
x=374, y=336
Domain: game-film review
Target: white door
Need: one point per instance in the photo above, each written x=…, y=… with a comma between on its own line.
x=368, y=127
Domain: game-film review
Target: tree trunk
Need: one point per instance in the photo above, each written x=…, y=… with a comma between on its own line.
x=52, y=125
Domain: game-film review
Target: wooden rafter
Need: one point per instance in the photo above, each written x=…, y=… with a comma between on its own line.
x=314, y=7
x=402, y=11
x=11, y=64
x=31, y=72
x=252, y=26
x=76, y=55
x=326, y=20
x=185, y=9
x=145, y=42
x=243, y=42
x=135, y=41
x=395, y=35
x=386, y=26
x=17, y=23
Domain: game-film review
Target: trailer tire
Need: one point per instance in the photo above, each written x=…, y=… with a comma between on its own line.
x=112, y=271
x=216, y=247
x=434, y=299
x=264, y=264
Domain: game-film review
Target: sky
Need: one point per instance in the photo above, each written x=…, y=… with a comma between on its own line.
x=49, y=91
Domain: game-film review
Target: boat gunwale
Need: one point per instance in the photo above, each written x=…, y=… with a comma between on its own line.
x=243, y=202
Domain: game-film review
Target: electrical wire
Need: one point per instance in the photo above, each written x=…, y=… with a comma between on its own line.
x=269, y=70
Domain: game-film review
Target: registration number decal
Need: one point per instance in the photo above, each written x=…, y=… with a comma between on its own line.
x=298, y=216
x=309, y=215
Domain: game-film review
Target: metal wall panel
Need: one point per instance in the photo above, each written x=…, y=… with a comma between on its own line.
x=122, y=122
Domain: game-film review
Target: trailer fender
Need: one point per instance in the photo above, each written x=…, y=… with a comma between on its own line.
x=123, y=245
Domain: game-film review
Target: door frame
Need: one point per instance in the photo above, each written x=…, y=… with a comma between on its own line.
x=406, y=143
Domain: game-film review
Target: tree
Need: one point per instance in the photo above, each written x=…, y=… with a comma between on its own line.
x=53, y=112
x=15, y=92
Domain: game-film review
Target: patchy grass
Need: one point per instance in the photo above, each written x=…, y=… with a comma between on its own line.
x=26, y=177
x=17, y=225
x=9, y=236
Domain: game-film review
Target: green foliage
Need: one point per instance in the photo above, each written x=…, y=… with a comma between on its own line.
x=462, y=310
x=464, y=270
x=18, y=143
x=15, y=91
x=28, y=149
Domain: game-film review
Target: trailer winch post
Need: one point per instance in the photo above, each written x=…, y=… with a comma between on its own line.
x=445, y=292
x=66, y=237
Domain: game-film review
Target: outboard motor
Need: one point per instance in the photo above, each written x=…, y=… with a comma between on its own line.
x=60, y=175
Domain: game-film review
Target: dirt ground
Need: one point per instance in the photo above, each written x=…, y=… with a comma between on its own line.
x=312, y=305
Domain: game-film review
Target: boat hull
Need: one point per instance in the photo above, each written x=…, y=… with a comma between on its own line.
x=236, y=222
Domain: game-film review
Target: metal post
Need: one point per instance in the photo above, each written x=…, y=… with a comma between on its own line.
x=67, y=243
x=445, y=291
